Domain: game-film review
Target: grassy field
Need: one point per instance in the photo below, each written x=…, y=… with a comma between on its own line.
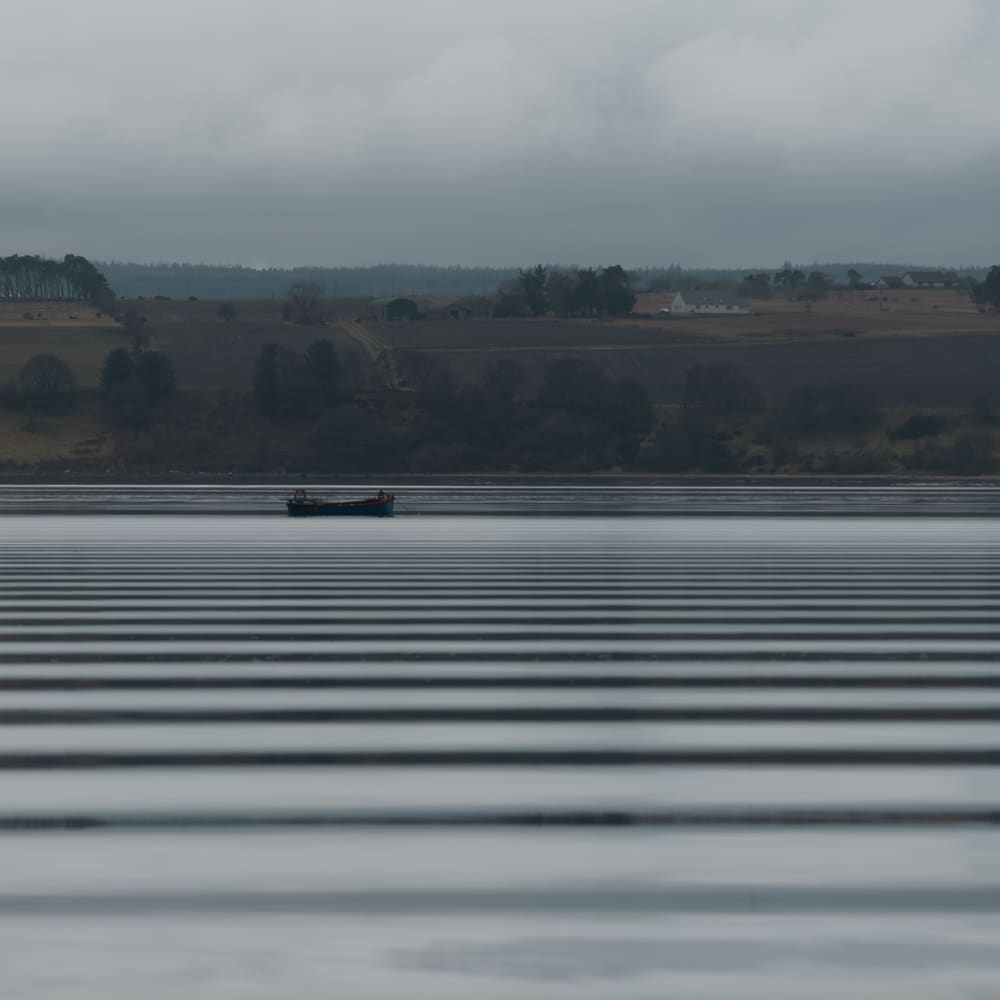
x=78, y=436
x=928, y=348
x=844, y=315
x=48, y=314
x=950, y=369
x=207, y=352
x=76, y=334
x=863, y=336
x=865, y=313
x=921, y=350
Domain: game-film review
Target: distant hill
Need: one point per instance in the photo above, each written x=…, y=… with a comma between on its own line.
x=220, y=281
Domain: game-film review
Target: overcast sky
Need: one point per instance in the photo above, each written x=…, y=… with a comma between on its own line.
x=705, y=132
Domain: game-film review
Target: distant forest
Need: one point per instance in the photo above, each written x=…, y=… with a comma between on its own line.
x=217, y=281
x=31, y=278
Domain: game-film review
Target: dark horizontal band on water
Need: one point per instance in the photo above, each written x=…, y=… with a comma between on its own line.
x=547, y=715
x=409, y=682
x=399, y=576
x=948, y=623
x=602, y=901
x=385, y=589
x=767, y=757
x=612, y=610
x=376, y=635
x=819, y=508
x=928, y=816
x=465, y=655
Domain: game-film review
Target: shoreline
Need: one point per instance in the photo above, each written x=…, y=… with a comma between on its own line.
x=70, y=476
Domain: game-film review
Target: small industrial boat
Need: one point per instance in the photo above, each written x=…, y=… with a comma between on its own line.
x=302, y=504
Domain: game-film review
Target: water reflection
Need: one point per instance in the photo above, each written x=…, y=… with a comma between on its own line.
x=690, y=498
x=483, y=753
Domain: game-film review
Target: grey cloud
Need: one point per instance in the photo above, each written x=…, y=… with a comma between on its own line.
x=727, y=132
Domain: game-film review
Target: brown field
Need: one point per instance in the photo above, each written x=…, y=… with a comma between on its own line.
x=81, y=435
x=844, y=315
x=71, y=330
x=82, y=347
x=928, y=348
x=950, y=370
x=921, y=349
x=265, y=312
x=214, y=355
x=524, y=334
x=49, y=314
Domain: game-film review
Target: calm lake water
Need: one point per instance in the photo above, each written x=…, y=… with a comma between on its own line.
x=565, y=754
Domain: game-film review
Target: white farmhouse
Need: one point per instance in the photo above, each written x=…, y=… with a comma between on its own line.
x=930, y=279
x=709, y=302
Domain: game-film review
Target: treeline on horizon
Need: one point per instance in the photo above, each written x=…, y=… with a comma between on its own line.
x=541, y=291
x=33, y=278
x=221, y=281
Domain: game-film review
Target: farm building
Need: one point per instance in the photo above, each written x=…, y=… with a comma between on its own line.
x=395, y=310
x=709, y=302
x=930, y=279
x=890, y=281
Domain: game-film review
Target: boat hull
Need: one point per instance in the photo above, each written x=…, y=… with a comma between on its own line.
x=357, y=508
